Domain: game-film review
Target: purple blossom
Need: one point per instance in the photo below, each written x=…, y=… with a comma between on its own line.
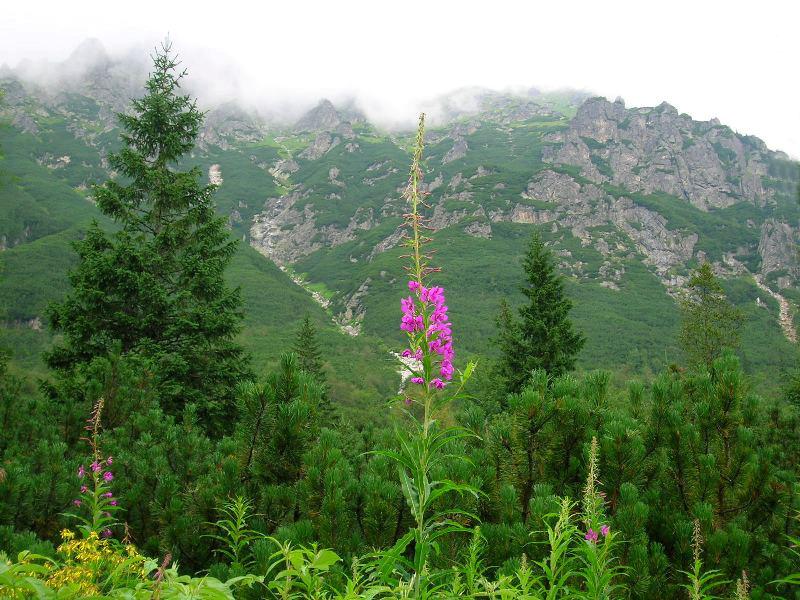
x=81, y=472
x=605, y=530
x=95, y=466
x=591, y=536
x=437, y=336
x=108, y=495
x=418, y=380
x=77, y=502
x=84, y=489
x=110, y=460
x=106, y=533
x=108, y=476
x=113, y=503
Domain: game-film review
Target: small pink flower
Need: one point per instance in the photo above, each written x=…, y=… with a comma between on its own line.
x=437, y=383
x=417, y=380
x=84, y=489
x=108, y=476
x=413, y=285
x=110, y=460
x=591, y=536
x=108, y=495
x=81, y=472
x=605, y=530
x=113, y=503
x=106, y=533
x=77, y=502
x=95, y=466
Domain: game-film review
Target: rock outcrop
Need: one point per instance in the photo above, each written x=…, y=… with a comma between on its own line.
x=659, y=150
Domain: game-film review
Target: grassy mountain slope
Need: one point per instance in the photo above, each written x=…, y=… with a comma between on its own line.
x=44, y=208
x=630, y=200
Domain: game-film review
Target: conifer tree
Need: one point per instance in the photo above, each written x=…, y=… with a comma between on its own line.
x=710, y=322
x=156, y=286
x=306, y=347
x=543, y=337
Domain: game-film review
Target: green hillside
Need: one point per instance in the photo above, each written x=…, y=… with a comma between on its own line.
x=331, y=197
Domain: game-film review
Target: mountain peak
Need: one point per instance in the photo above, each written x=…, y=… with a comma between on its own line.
x=88, y=54
x=323, y=117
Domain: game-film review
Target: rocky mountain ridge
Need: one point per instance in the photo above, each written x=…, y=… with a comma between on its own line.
x=614, y=188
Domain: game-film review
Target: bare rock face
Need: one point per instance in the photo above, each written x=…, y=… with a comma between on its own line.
x=387, y=243
x=323, y=117
x=553, y=187
x=662, y=248
x=284, y=232
x=584, y=207
x=778, y=248
x=658, y=150
x=320, y=146
x=25, y=123
x=479, y=229
x=228, y=125
x=459, y=150
x=352, y=316
x=283, y=169
x=215, y=175
x=532, y=216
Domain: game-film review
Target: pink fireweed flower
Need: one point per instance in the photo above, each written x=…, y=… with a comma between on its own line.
x=81, y=472
x=417, y=380
x=84, y=489
x=106, y=533
x=437, y=335
x=95, y=466
x=591, y=536
x=108, y=494
x=108, y=476
x=109, y=461
x=605, y=530
x=113, y=503
x=77, y=502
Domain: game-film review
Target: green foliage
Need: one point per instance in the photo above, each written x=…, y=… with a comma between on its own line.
x=710, y=323
x=156, y=286
x=701, y=583
x=652, y=466
x=233, y=533
x=543, y=336
x=307, y=350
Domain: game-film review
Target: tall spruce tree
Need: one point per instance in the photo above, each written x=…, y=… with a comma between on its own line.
x=306, y=347
x=543, y=336
x=710, y=322
x=155, y=286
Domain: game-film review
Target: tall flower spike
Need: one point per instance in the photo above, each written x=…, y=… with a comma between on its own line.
x=425, y=318
x=697, y=541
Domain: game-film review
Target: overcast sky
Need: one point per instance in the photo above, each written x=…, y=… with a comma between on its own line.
x=738, y=61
